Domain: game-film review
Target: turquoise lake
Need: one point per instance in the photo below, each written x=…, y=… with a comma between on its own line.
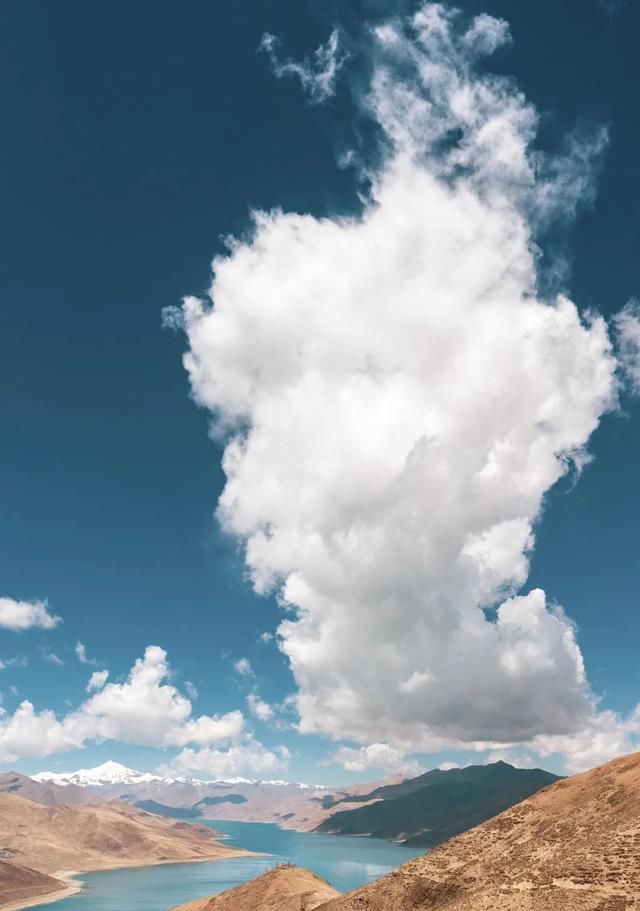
x=346, y=862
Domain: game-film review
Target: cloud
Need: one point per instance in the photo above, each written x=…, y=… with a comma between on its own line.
x=379, y=756
x=412, y=395
x=21, y=615
x=246, y=759
x=607, y=734
x=171, y=318
x=144, y=710
x=81, y=654
x=258, y=708
x=28, y=733
x=53, y=659
x=627, y=324
x=16, y=661
x=317, y=75
x=192, y=691
x=243, y=667
x=97, y=680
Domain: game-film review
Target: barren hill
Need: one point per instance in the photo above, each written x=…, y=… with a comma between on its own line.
x=46, y=792
x=285, y=888
x=18, y=884
x=575, y=846
x=37, y=839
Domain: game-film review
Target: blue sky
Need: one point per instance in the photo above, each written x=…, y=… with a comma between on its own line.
x=136, y=140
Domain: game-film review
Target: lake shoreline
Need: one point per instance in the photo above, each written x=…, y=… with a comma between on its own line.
x=74, y=886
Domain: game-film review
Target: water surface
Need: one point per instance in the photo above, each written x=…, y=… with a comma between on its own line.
x=346, y=862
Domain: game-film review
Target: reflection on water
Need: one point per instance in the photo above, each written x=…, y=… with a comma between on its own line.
x=344, y=862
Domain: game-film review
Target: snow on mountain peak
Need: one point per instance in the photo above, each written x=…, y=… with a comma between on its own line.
x=108, y=773
x=114, y=773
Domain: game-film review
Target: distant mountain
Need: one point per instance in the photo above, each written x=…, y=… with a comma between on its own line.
x=437, y=805
x=575, y=846
x=114, y=773
x=107, y=773
x=291, y=804
x=46, y=792
x=194, y=812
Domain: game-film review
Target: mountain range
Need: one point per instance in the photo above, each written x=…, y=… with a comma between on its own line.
x=46, y=828
x=573, y=846
x=424, y=810
x=439, y=804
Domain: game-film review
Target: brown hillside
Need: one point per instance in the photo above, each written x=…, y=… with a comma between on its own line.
x=284, y=888
x=18, y=884
x=45, y=792
x=95, y=838
x=575, y=846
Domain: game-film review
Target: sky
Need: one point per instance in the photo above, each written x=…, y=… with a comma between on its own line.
x=319, y=386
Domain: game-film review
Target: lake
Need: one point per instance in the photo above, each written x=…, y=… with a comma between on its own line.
x=346, y=862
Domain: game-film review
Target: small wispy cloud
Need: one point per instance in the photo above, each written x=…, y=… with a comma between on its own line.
x=52, y=658
x=97, y=680
x=243, y=667
x=317, y=74
x=259, y=708
x=81, y=654
x=627, y=325
x=16, y=661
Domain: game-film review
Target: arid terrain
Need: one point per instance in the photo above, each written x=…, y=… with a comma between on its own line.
x=284, y=888
x=20, y=884
x=574, y=846
x=47, y=793
x=38, y=841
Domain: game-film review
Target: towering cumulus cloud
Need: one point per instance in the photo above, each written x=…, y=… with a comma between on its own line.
x=397, y=396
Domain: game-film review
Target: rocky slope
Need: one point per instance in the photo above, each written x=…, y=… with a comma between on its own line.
x=284, y=888
x=48, y=839
x=574, y=846
x=437, y=805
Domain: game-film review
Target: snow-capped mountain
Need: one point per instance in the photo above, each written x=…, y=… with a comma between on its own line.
x=107, y=773
x=114, y=773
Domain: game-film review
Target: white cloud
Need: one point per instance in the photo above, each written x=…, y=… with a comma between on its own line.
x=411, y=397
x=81, y=654
x=148, y=711
x=243, y=667
x=245, y=759
x=28, y=733
x=627, y=324
x=517, y=759
x=21, y=615
x=606, y=735
x=97, y=680
x=191, y=689
x=265, y=638
x=52, y=658
x=144, y=710
x=317, y=75
x=16, y=661
x=258, y=708
x=378, y=756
